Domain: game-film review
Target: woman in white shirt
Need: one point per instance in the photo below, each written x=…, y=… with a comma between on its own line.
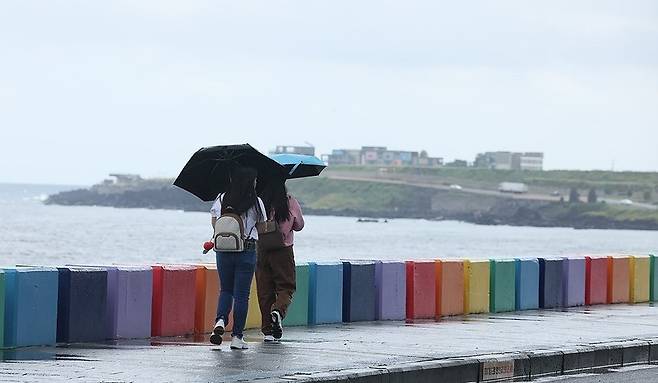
x=236, y=269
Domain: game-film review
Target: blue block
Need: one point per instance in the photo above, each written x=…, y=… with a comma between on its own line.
x=527, y=284
x=359, y=294
x=30, y=306
x=325, y=297
x=82, y=305
x=550, y=283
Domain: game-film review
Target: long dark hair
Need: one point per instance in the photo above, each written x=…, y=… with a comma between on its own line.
x=241, y=195
x=275, y=198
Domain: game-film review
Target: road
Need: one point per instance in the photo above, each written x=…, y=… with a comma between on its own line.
x=623, y=375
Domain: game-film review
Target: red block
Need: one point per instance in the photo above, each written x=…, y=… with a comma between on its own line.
x=173, y=300
x=596, y=280
x=421, y=289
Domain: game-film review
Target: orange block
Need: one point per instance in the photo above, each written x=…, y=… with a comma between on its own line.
x=449, y=287
x=618, y=279
x=207, y=292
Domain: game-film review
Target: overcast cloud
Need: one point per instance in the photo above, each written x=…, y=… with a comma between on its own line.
x=91, y=87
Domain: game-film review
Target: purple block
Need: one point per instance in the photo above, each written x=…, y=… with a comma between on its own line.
x=573, y=281
x=131, y=292
x=391, y=287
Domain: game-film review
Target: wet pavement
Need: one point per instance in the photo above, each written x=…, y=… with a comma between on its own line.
x=331, y=348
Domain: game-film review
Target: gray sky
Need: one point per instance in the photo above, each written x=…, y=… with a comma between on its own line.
x=90, y=87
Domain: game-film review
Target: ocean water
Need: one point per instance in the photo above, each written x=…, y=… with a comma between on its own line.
x=34, y=233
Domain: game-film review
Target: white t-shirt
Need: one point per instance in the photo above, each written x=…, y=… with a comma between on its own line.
x=250, y=220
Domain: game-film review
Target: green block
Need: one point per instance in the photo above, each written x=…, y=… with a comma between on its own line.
x=298, y=311
x=2, y=308
x=502, y=286
x=653, y=286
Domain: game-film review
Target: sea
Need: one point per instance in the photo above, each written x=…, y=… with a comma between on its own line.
x=32, y=233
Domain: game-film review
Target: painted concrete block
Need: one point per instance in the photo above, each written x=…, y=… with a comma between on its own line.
x=527, y=284
x=325, y=292
x=596, y=280
x=619, y=279
x=573, y=282
x=359, y=294
x=391, y=285
x=2, y=308
x=550, y=283
x=449, y=287
x=207, y=294
x=174, y=300
x=298, y=311
x=653, y=280
x=30, y=306
x=254, y=317
x=421, y=289
x=640, y=270
x=502, y=285
x=129, y=300
x=476, y=286
x=82, y=304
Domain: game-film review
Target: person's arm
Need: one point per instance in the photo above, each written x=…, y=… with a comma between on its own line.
x=297, y=216
x=215, y=211
x=213, y=220
x=263, y=213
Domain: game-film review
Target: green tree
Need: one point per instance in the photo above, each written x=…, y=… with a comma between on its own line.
x=648, y=195
x=574, y=196
x=592, y=197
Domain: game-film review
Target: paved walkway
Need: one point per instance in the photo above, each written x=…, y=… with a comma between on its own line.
x=331, y=348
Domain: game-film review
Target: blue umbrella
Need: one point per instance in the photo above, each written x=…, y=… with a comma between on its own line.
x=300, y=165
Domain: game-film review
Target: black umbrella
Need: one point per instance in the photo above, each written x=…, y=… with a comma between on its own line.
x=207, y=173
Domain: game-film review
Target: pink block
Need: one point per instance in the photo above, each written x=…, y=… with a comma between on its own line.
x=421, y=289
x=596, y=280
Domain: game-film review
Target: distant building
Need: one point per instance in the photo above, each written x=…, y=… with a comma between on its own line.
x=510, y=161
x=124, y=179
x=457, y=164
x=283, y=149
x=381, y=156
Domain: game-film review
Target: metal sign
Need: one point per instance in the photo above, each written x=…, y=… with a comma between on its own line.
x=496, y=370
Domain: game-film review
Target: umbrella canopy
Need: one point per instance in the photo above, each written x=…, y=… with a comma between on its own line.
x=300, y=165
x=207, y=173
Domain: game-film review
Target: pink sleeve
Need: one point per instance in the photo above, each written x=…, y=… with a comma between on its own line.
x=296, y=214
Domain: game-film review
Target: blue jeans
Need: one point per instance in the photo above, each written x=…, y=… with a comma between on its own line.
x=236, y=271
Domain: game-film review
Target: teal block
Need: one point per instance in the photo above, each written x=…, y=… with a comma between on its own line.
x=502, y=283
x=653, y=286
x=2, y=308
x=298, y=311
x=325, y=292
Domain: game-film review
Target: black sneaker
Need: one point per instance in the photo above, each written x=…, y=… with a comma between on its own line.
x=277, y=326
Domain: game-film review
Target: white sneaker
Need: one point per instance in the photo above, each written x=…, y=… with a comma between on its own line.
x=277, y=325
x=219, y=328
x=269, y=339
x=239, y=344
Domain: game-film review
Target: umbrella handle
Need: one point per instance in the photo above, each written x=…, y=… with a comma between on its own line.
x=294, y=168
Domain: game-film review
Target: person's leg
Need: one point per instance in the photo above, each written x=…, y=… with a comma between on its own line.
x=283, y=272
x=244, y=274
x=226, y=271
x=266, y=293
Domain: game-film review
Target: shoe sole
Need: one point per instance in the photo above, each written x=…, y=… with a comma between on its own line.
x=277, y=329
x=218, y=331
x=216, y=339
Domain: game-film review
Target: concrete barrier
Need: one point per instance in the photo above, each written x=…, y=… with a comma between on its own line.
x=573, y=282
x=640, y=270
x=476, y=286
x=129, y=298
x=359, y=294
x=550, y=283
x=653, y=289
x=449, y=287
x=206, y=295
x=298, y=311
x=421, y=289
x=502, y=283
x=391, y=286
x=527, y=284
x=173, y=300
x=618, y=279
x=596, y=280
x=30, y=307
x=82, y=304
x=325, y=292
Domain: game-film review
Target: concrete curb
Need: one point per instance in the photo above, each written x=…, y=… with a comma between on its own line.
x=510, y=366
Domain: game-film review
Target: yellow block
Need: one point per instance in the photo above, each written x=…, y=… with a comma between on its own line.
x=476, y=286
x=639, y=279
x=253, y=315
